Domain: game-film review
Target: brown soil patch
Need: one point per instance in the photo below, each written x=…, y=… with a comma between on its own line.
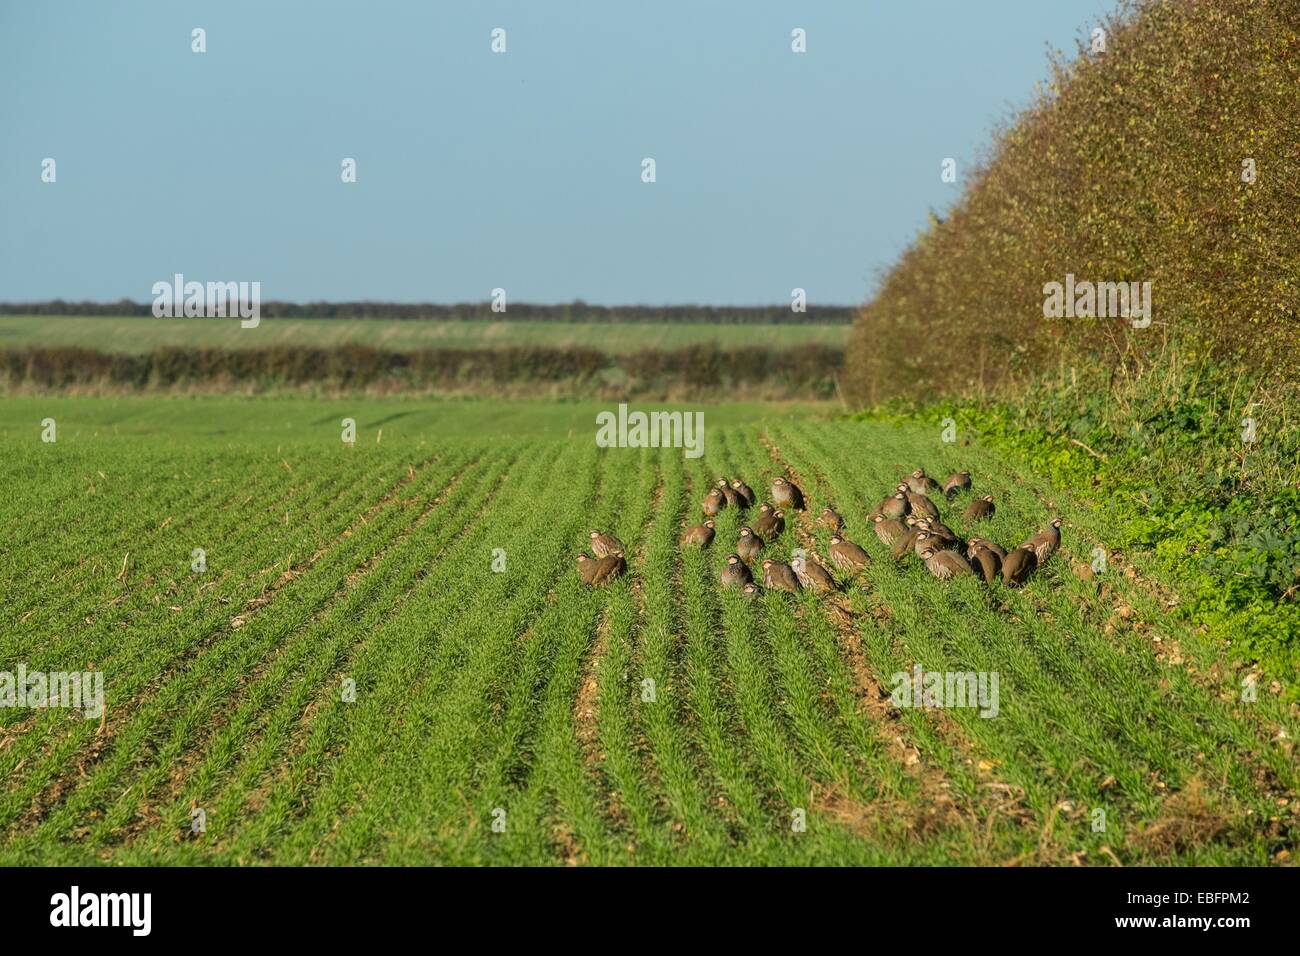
x=585, y=723
x=1188, y=818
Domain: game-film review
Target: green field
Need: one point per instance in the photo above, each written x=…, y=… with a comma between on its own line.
x=140, y=334
x=516, y=698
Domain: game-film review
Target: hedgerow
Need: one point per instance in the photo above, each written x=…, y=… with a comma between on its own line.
x=808, y=370
x=1170, y=157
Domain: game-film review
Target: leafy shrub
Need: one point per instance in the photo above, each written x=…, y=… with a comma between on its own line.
x=1127, y=167
x=1220, y=516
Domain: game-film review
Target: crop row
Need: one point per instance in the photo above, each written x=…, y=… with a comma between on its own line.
x=506, y=713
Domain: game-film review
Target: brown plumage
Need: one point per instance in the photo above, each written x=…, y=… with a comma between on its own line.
x=977, y=543
x=1045, y=542
x=745, y=492
x=921, y=505
x=751, y=591
x=812, y=575
x=937, y=527
x=980, y=508
x=698, y=535
x=904, y=545
x=895, y=506
x=748, y=545
x=735, y=573
x=786, y=494
x=945, y=564
x=586, y=567
x=1017, y=566
x=778, y=576
x=733, y=499
x=939, y=535
x=770, y=523
x=889, y=530
x=987, y=563
x=603, y=545
x=846, y=555
x=713, y=503
x=918, y=482
x=923, y=541
x=832, y=519
x=607, y=569
x=956, y=483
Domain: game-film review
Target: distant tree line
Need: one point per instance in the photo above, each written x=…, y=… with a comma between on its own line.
x=809, y=371
x=577, y=311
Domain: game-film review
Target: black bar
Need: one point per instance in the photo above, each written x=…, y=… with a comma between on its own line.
x=333, y=906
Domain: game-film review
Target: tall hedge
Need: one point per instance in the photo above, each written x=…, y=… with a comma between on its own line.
x=1128, y=166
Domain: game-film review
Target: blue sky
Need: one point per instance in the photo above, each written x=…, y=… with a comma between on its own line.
x=519, y=170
